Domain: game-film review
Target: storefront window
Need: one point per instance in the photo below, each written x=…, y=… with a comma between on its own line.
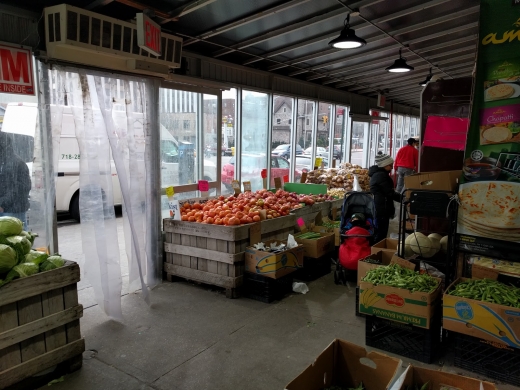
x=229, y=135
x=254, y=137
x=281, y=138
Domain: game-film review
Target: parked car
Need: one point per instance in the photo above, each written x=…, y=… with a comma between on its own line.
x=252, y=165
x=337, y=154
x=285, y=151
x=305, y=163
x=320, y=152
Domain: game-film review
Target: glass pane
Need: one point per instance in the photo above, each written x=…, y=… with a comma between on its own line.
x=406, y=130
x=210, y=128
x=254, y=137
x=358, y=142
x=304, y=137
x=323, y=129
x=340, y=133
x=180, y=145
x=229, y=99
x=281, y=137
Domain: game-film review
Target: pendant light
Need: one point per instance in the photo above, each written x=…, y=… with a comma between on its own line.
x=427, y=79
x=399, y=65
x=347, y=38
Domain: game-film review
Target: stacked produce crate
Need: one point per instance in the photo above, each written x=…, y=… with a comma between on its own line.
x=39, y=324
x=214, y=254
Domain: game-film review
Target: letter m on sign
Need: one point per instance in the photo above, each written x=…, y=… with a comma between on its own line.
x=16, y=73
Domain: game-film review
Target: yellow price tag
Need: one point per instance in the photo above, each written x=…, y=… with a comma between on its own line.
x=318, y=162
x=169, y=192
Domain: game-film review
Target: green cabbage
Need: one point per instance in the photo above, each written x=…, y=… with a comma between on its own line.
x=21, y=271
x=29, y=235
x=36, y=257
x=52, y=262
x=19, y=243
x=10, y=226
x=8, y=258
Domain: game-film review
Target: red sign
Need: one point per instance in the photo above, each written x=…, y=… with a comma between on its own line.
x=16, y=71
x=148, y=34
x=286, y=178
x=203, y=185
x=264, y=173
x=395, y=300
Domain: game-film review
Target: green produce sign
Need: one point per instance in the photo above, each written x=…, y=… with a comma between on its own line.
x=489, y=193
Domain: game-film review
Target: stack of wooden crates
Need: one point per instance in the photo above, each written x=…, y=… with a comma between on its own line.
x=215, y=254
x=39, y=324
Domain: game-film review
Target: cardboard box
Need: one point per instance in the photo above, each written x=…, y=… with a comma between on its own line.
x=364, y=267
x=316, y=248
x=433, y=181
x=273, y=265
x=438, y=380
x=398, y=304
x=344, y=364
x=388, y=246
x=484, y=320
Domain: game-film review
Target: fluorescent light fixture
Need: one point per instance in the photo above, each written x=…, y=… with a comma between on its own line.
x=347, y=38
x=399, y=65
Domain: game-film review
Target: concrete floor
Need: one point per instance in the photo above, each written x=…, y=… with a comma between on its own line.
x=192, y=337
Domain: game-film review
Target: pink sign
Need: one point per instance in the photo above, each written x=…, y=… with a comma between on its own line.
x=203, y=185
x=446, y=132
x=286, y=178
x=300, y=222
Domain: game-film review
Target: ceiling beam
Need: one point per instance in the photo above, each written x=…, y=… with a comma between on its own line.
x=243, y=21
x=281, y=31
x=186, y=9
x=396, y=45
x=142, y=6
x=383, y=74
x=97, y=3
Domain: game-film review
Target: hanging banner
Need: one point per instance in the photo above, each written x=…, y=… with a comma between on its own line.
x=16, y=70
x=490, y=190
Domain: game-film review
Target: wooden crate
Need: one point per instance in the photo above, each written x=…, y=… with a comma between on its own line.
x=39, y=324
x=308, y=213
x=215, y=254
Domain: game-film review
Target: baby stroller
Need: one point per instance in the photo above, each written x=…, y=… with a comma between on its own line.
x=355, y=205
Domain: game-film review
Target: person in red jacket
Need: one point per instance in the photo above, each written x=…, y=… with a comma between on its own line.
x=406, y=162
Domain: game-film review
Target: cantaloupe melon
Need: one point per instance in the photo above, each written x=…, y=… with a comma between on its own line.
x=444, y=244
x=408, y=252
x=435, y=236
x=435, y=247
x=420, y=244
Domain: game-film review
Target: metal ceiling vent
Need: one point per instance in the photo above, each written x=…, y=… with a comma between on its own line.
x=80, y=36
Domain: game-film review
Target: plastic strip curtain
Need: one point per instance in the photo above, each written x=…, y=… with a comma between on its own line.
x=112, y=129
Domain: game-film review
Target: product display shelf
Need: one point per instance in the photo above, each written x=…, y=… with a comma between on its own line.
x=39, y=324
x=214, y=254
x=404, y=339
x=430, y=211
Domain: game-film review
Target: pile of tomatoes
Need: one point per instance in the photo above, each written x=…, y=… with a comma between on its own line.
x=247, y=207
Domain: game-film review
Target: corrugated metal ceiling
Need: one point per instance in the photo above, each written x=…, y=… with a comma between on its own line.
x=291, y=37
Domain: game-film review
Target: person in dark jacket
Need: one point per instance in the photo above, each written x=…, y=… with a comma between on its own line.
x=15, y=182
x=382, y=188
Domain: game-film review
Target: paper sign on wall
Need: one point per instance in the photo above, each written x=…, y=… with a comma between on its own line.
x=247, y=186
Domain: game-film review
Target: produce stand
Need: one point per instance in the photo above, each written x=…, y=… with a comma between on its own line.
x=39, y=324
x=214, y=254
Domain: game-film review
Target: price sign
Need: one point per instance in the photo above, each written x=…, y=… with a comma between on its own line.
x=264, y=173
x=175, y=213
x=203, y=185
x=235, y=184
x=170, y=192
x=277, y=183
x=317, y=162
x=286, y=178
x=247, y=186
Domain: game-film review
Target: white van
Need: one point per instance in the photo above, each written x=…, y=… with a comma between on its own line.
x=21, y=120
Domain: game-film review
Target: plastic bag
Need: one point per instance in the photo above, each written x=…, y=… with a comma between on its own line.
x=291, y=242
x=356, y=187
x=300, y=287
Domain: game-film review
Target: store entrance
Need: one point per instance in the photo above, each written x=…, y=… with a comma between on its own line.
x=368, y=138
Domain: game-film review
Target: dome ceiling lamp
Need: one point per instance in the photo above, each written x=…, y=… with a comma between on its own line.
x=347, y=38
x=399, y=65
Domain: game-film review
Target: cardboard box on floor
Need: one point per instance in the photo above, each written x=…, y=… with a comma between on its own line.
x=489, y=321
x=433, y=181
x=388, y=247
x=392, y=303
x=319, y=247
x=345, y=364
x=273, y=265
x=438, y=380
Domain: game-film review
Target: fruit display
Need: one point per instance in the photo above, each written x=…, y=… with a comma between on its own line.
x=426, y=246
x=310, y=199
x=338, y=193
x=247, y=207
x=342, y=177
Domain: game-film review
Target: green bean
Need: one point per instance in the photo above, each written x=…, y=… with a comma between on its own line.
x=397, y=276
x=487, y=290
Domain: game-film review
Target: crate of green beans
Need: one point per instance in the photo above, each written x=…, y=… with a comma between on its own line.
x=483, y=308
x=399, y=294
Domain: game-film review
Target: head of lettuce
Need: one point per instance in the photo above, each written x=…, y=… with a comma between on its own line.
x=8, y=258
